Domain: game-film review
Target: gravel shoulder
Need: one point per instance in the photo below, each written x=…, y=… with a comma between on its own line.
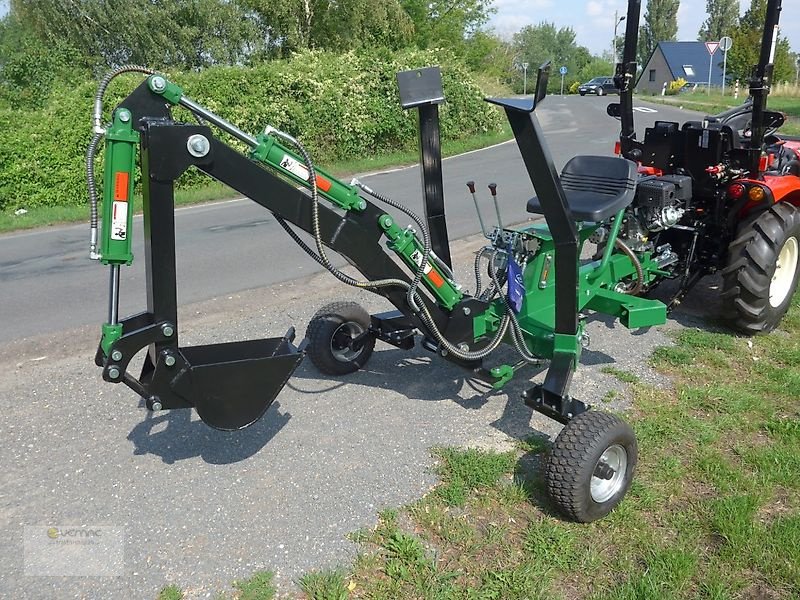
x=201, y=508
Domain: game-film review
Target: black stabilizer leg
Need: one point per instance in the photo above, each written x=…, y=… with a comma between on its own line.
x=551, y=398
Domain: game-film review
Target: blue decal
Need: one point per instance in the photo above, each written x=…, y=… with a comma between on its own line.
x=516, y=286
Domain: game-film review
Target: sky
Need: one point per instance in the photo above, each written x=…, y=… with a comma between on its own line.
x=593, y=20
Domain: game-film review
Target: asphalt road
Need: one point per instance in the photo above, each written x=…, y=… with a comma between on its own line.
x=201, y=508
x=47, y=282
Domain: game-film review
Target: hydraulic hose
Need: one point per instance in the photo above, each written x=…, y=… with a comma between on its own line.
x=416, y=303
x=517, y=336
x=99, y=132
x=477, y=268
x=90, y=152
x=322, y=257
x=637, y=287
x=97, y=115
x=426, y=241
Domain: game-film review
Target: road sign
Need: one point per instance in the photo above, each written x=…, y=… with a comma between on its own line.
x=563, y=70
x=725, y=45
x=711, y=47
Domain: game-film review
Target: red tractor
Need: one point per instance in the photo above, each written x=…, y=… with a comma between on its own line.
x=717, y=195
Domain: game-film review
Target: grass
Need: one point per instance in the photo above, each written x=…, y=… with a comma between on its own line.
x=53, y=215
x=326, y=585
x=621, y=375
x=713, y=513
x=170, y=592
x=257, y=587
x=783, y=98
x=44, y=216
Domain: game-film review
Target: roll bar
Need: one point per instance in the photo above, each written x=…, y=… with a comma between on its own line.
x=625, y=75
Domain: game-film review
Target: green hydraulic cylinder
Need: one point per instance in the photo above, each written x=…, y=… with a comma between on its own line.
x=411, y=250
x=271, y=152
x=267, y=150
x=120, y=162
x=117, y=230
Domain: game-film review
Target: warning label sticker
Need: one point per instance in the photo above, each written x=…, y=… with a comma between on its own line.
x=416, y=256
x=119, y=221
x=294, y=167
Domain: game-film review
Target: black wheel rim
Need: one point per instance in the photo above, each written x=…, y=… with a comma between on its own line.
x=341, y=340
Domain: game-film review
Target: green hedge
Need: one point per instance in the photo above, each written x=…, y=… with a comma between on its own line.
x=340, y=106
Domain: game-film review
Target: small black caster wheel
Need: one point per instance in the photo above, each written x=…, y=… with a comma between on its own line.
x=591, y=465
x=331, y=334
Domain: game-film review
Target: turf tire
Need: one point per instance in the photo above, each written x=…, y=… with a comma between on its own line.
x=570, y=467
x=327, y=335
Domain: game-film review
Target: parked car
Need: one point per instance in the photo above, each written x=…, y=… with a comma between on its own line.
x=599, y=85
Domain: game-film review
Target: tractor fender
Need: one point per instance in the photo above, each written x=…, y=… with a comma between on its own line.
x=779, y=188
x=784, y=188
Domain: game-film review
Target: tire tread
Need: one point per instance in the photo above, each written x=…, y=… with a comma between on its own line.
x=319, y=331
x=751, y=256
x=566, y=483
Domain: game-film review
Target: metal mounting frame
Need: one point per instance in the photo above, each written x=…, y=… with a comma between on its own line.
x=552, y=397
x=176, y=377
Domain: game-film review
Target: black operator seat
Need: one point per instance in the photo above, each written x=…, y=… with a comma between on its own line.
x=596, y=187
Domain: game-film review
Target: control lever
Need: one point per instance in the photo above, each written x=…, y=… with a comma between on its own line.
x=471, y=186
x=493, y=190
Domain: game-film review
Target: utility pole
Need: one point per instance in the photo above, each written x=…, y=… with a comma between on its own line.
x=524, y=78
x=614, y=39
x=796, y=71
x=617, y=21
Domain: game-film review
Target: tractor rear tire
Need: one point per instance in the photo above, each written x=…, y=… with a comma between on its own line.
x=329, y=334
x=591, y=465
x=763, y=269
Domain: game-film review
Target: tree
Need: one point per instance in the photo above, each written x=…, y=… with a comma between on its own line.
x=108, y=33
x=536, y=44
x=292, y=25
x=28, y=67
x=744, y=53
x=723, y=16
x=446, y=23
x=660, y=25
x=345, y=25
x=488, y=54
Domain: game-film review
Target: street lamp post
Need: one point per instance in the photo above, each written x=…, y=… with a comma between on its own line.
x=524, y=78
x=617, y=21
x=797, y=71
